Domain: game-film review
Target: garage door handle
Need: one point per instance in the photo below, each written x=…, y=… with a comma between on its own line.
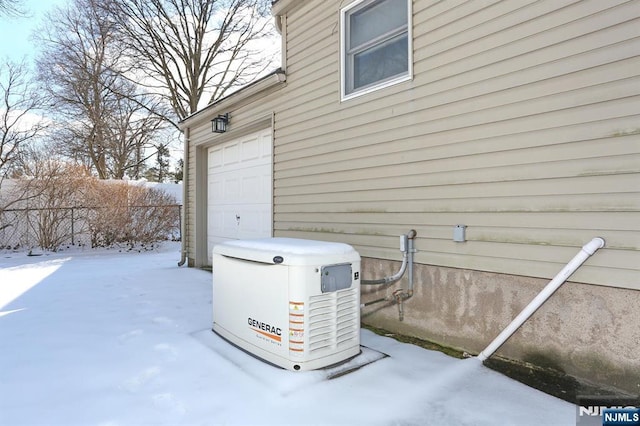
x=238, y=218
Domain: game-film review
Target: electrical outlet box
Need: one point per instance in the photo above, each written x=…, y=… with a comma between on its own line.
x=459, y=233
x=403, y=243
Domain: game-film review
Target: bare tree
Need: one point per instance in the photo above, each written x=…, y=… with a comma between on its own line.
x=193, y=52
x=178, y=174
x=28, y=183
x=19, y=121
x=133, y=131
x=159, y=172
x=12, y=8
x=103, y=119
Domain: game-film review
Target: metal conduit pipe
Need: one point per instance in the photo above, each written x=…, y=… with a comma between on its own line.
x=373, y=302
x=411, y=236
x=587, y=250
x=400, y=295
x=406, y=246
x=393, y=278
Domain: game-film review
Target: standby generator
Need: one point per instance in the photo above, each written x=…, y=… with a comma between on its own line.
x=291, y=302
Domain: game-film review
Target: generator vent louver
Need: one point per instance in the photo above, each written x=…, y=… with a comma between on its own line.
x=333, y=320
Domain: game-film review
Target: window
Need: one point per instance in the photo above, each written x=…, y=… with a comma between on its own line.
x=375, y=45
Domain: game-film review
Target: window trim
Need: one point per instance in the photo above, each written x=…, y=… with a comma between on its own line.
x=344, y=14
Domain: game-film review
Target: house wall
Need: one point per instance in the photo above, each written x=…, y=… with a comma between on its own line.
x=521, y=122
x=587, y=331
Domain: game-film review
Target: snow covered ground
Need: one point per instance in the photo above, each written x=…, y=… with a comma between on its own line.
x=108, y=338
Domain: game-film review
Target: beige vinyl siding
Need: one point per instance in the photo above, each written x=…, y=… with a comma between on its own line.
x=522, y=122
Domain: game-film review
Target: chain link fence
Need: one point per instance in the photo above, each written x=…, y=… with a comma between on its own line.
x=54, y=228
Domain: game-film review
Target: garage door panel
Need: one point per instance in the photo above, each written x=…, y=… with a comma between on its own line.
x=215, y=158
x=240, y=190
x=252, y=224
x=251, y=150
x=232, y=189
x=215, y=191
x=238, y=186
x=251, y=187
x=230, y=155
x=250, y=221
x=222, y=222
x=230, y=223
x=258, y=186
x=239, y=154
x=215, y=223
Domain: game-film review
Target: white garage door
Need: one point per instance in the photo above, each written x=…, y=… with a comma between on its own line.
x=240, y=189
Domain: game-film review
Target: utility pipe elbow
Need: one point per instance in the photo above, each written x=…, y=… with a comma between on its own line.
x=393, y=278
x=593, y=245
x=407, y=259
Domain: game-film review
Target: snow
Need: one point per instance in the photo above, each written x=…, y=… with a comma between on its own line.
x=173, y=189
x=107, y=338
x=294, y=251
x=291, y=246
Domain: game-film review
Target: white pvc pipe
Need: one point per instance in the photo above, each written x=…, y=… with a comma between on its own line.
x=586, y=251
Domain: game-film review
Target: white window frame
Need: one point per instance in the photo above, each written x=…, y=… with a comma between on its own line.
x=344, y=16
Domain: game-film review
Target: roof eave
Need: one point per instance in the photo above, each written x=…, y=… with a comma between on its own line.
x=230, y=102
x=280, y=7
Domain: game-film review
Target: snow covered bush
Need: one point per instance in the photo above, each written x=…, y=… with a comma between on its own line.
x=63, y=205
x=130, y=214
x=44, y=210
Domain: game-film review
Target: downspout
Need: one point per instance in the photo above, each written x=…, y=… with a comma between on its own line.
x=185, y=180
x=277, y=20
x=587, y=250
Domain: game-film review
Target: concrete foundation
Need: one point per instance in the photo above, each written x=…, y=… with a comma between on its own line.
x=587, y=331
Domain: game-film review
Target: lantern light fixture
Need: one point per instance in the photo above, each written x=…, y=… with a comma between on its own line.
x=219, y=124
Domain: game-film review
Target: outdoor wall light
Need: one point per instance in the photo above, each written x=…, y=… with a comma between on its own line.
x=219, y=124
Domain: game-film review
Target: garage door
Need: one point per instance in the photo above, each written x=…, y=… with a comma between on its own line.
x=240, y=189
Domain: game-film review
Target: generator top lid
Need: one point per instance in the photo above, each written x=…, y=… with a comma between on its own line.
x=288, y=251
